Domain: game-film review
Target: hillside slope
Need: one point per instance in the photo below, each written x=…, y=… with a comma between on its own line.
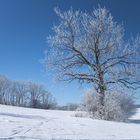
x=24, y=123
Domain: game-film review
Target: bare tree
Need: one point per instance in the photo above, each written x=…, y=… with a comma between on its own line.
x=4, y=89
x=40, y=97
x=92, y=48
x=48, y=101
x=35, y=91
x=20, y=91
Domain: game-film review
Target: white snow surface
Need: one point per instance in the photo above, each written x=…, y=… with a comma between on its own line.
x=19, y=123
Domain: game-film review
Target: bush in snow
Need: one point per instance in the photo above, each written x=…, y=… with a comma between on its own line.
x=117, y=106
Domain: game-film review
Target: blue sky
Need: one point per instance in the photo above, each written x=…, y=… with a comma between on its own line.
x=24, y=26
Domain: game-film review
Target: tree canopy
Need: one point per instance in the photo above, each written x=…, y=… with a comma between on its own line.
x=91, y=47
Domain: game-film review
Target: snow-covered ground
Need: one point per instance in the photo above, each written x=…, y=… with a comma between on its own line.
x=36, y=124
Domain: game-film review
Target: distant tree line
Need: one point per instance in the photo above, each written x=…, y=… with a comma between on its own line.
x=69, y=107
x=25, y=94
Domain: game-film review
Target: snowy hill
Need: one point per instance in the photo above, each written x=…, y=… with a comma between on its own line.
x=34, y=124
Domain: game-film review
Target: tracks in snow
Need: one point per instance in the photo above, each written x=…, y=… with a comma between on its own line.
x=24, y=131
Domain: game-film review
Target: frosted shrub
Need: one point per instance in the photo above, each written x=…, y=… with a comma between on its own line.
x=117, y=107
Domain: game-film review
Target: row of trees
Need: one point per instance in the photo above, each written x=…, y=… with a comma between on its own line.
x=26, y=94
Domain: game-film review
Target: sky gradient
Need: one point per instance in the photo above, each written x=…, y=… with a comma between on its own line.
x=24, y=26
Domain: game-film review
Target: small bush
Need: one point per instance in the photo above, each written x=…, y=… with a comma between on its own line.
x=81, y=114
x=117, y=107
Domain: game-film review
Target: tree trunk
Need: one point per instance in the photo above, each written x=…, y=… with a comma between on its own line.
x=101, y=86
x=101, y=98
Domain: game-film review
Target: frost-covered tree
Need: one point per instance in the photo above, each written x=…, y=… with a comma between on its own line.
x=4, y=89
x=48, y=101
x=20, y=91
x=36, y=91
x=40, y=97
x=91, y=47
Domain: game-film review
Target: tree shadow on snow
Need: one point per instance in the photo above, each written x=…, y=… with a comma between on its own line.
x=21, y=116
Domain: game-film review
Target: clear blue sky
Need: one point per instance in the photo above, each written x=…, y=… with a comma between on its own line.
x=25, y=24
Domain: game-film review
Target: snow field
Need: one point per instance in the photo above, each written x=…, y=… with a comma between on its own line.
x=36, y=124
